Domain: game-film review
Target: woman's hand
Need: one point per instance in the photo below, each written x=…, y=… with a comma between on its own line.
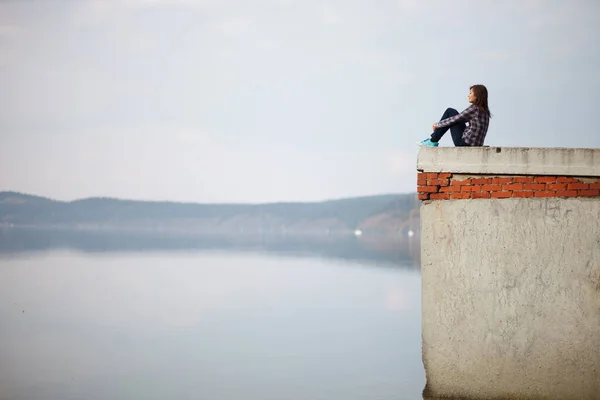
x=433, y=127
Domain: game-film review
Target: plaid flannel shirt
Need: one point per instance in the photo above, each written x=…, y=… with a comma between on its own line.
x=474, y=134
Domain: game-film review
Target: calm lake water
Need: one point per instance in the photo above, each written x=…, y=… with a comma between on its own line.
x=106, y=317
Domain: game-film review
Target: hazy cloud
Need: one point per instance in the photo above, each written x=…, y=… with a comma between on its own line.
x=206, y=100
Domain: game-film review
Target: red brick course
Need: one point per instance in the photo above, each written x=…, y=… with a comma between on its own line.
x=446, y=186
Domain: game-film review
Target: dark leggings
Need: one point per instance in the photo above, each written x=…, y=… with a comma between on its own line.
x=456, y=130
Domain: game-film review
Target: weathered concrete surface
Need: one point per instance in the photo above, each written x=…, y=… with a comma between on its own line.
x=510, y=160
x=511, y=298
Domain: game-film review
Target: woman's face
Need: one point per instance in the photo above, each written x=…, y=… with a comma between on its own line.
x=472, y=96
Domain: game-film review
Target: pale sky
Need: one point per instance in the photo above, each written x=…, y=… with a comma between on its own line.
x=277, y=100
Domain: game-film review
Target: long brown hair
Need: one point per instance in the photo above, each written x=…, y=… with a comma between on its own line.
x=481, y=94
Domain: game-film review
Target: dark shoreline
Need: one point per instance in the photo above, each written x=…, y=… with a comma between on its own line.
x=378, y=249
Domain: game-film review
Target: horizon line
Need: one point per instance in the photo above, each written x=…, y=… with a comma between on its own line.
x=2, y=192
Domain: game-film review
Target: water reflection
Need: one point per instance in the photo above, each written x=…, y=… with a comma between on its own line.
x=390, y=251
x=90, y=316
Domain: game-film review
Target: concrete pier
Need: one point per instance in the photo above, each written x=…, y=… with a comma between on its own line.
x=510, y=250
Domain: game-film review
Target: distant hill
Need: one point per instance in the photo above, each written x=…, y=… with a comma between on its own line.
x=384, y=214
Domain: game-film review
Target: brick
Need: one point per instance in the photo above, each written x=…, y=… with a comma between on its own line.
x=460, y=195
x=450, y=189
x=422, y=182
x=427, y=189
x=501, y=195
x=445, y=175
x=431, y=175
x=501, y=181
x=556, y=186
x=513, y=187
x=470, y=188
x=523, y=179
x=423, y=196
x=578, y=186
x=481, y=195
x=481, y=181
x=491, y=188
x=566, y=193
x=534, y=186
x=421, y=175
x=440, y=196
x=523, y=194
x=595, y=192
x=566, y=179
x=463, y=182
x=438, y=182
x=545, y=179
x=545, y=194
x=595, y=185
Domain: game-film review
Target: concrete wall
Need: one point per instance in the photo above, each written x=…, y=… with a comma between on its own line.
x=511, y=285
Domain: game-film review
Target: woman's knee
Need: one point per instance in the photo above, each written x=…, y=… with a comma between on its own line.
x=451, y=111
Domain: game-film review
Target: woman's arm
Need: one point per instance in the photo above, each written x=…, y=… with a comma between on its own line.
x=463, y=116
